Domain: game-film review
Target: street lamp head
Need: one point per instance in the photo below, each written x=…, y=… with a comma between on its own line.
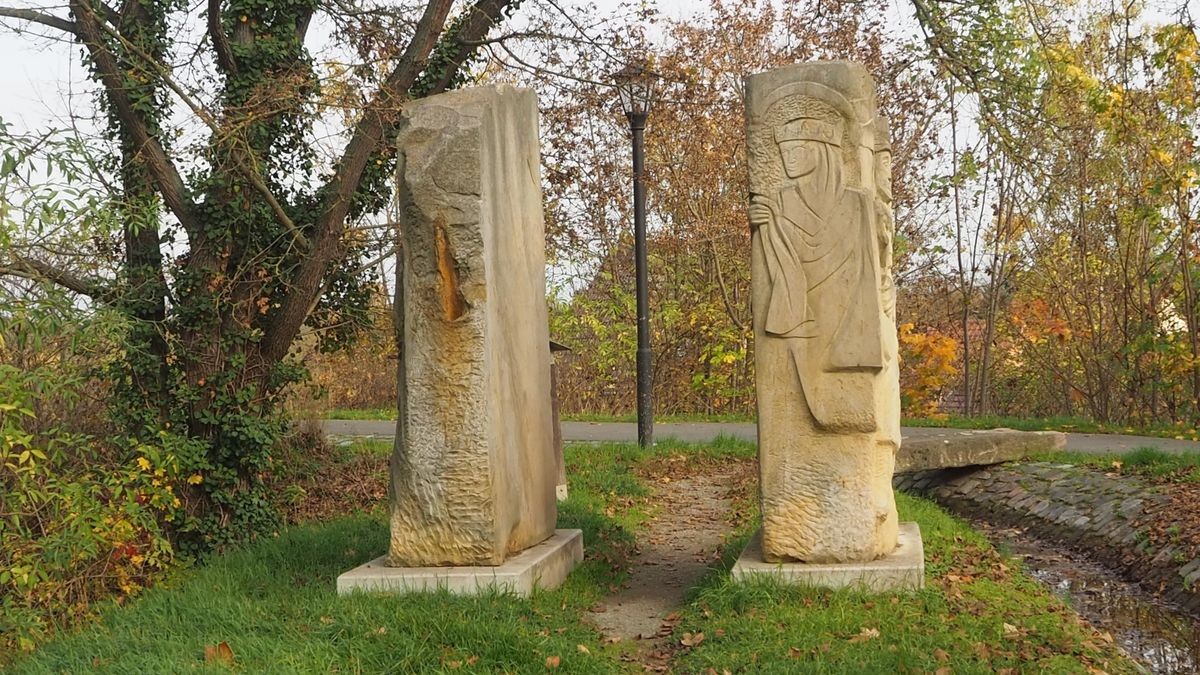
x=635, y=84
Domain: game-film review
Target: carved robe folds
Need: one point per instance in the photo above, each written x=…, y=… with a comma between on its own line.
x=828, y=397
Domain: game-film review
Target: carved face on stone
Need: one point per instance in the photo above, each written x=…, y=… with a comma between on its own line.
x=805, y=143
x=883, y=174
x=800, y=158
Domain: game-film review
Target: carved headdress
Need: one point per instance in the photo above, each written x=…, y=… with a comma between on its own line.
x=809, y=129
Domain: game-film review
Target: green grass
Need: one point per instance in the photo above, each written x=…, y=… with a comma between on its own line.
x=363, y=414
x=390, y=414
x=666, y=419
x=957, y=622
x=1145, y=462
x=1070, y=424
x=275, y=605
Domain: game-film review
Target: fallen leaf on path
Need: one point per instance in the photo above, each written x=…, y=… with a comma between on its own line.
x=219, y=653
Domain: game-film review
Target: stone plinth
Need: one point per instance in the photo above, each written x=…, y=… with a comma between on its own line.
x=543, y=566
x=823, y=305
x=473, y=473
x=902, y=569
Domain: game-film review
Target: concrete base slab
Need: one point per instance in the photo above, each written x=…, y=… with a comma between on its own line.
x=560, y=492
x=904, y=569
x=544, y=566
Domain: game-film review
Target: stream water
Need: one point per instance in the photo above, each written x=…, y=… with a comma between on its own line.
x=1163, y=638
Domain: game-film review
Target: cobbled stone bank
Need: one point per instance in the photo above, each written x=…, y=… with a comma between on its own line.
x=1107, y=517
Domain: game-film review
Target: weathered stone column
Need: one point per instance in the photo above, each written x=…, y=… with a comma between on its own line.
x=473, y=473
x=825, y=348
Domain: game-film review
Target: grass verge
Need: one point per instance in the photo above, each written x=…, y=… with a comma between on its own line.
x=1150, y=463
x=274, y=605
x=978, y=614
x=1079, y=425
x=1067, y=424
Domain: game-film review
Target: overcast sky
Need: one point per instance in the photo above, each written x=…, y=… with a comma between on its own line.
x=39, y=77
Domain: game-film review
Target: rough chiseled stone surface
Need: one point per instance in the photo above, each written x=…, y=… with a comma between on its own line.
x=1108, y=517
x=473, y=473
x=823, y=300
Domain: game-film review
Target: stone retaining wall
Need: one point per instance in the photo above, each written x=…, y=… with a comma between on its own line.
x=1083, y=509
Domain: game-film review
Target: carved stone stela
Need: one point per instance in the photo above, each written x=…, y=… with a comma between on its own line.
x=473, y=473
x=824, y=307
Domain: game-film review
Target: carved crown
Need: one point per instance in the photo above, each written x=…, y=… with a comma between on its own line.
x=809, y=129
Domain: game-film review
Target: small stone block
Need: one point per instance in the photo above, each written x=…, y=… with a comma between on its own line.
x=904, y=569
x=543, y=566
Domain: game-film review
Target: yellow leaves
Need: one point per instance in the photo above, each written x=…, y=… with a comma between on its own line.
x=143, y=463
x=195, y=479
x=1162, y=156
x=929, y=363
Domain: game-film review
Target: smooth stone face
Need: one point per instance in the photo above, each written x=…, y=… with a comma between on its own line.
x=473, y=472
x=823, y=300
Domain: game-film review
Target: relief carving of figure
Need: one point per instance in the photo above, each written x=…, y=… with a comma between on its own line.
x=820, y=250
x=825, y=352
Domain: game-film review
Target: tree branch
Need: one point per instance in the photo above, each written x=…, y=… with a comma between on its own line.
x=236, y=153
x=65, y=25
x=220, y=43
x=484, y=15
x=166, y=176
x=368, y=137
x=36, y=270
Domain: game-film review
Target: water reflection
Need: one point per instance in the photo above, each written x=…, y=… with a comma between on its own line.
x=1160, y=636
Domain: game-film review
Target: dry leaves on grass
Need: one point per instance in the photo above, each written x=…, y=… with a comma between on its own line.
x=691, y=639
x=219, y=653
x=865, y=634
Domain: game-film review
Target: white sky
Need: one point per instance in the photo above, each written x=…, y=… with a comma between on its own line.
x=38, y=77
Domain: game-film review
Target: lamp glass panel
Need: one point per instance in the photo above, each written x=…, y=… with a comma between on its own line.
x=627, y=98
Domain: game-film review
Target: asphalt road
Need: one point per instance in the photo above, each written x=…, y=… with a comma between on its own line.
x=706, y=431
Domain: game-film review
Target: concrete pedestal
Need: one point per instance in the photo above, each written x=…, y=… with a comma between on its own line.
x=544, y=566
x=904, y=569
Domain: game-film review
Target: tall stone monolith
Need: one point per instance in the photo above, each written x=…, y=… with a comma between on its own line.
x=823, y=301
x=473, y=472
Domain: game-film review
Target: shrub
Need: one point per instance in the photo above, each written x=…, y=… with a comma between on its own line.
x=72, y=530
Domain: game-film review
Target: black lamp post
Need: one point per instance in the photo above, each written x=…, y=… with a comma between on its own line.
x=635, y=84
